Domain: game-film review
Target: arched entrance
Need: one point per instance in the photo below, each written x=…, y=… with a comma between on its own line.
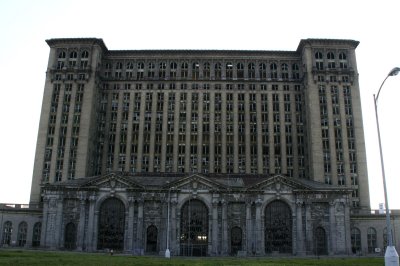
x=22, y=232
x=321, y=247
x=194, y=229
x=111, y=225
x=70, y=236
x=151, y=242
x=278, y=227
x=236, y=240
x=37, y=230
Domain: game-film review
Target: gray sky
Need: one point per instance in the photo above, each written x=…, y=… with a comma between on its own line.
x=217, y=24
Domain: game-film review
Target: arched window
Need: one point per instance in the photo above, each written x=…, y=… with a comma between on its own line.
x=262, y=68
x=162, y=69
x=194, y=229
x=73, y=54
x=195, y=71
x=118, y=70
x=278, y=227
x=60, y=61
x=73, y=58
x=84, y=59
x=251, y=71
x=295, y=71
x=22, y=232
x=218, y=71
x=150, y=71
x=70, y=236
x=111, y=225
x=151, y=239
x=319, y=61
x=371, y=239
x=184, y=70
x=240, y=71
x=85, y=54
x=355, y=240
x=285, y=71
x=172, y=70
x=129, y=65
x=140, y=71
x=129, y=70
x=331, y=60
x=37, y=231
x=274, y=71
x=7, y=231
x=342, y=60
x=385, y=238
x=321, y=247
x=118, y=65
x=229, y=70
x=61, y=55
x=206, y=70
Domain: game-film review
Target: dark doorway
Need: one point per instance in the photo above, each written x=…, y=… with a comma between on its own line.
x=236, y=240
x=194, y=229
x=111, y=225
x=151, y=243
x=321, y=247
x=70, y=236
x=278, y=228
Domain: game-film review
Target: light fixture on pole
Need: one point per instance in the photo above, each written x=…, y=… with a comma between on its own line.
x=167, y=251
x=391, y=256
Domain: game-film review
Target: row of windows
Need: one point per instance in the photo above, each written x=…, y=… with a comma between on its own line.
x=195, y=160
x=62, y=55
x=22, y=234
x=197, y=86
x=372, y=243
x=196, y=70
x=330, y=61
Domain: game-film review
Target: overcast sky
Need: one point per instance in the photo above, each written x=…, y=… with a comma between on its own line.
x=215, y=24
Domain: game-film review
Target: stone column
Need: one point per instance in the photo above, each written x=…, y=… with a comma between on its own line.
x=81, y=224
x=43, y=235
x=332, y=227
x=249, y=229
x=59, y=227
x=129, y=237
x=224, y=228
x=173, y=240
x=299, y=228
x=259, y=234
x=309, y=232
x=215, y=227
x=347, y=227
x=139, y=229
x=91, y=221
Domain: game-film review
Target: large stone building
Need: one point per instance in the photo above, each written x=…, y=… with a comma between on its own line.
x=204, y=152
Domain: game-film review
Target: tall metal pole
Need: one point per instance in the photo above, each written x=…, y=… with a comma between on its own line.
x=391, y=256
x=167, y=252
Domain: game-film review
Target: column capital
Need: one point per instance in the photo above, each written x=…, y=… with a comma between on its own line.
x=215, y=202
x=258, y=202
x=92, y=198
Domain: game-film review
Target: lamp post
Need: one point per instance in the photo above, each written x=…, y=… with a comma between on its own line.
x=167, y=252
x=391, y=256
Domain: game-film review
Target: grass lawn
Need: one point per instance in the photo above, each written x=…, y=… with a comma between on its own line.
x=28, y=257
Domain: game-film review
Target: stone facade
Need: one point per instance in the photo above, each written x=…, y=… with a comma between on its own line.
x=230, y=202
x=207, y=153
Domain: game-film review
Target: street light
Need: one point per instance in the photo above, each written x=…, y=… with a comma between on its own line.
x=391, y=256
x=167, y=252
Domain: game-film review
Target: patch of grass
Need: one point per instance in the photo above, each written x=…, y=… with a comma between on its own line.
x=29, y=257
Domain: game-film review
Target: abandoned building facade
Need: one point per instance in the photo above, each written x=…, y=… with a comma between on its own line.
x=203, y=152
